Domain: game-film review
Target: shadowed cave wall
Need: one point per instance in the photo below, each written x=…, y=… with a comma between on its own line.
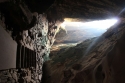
x=33, y=24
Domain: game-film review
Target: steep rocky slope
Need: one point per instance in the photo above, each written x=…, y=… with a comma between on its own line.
x=65, y=57
x=102, y=64
x=33, y=25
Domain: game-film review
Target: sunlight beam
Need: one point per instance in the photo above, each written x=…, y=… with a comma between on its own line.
x=99, y=24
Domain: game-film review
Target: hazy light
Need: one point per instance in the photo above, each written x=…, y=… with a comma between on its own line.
x=99, y=24
x=63, y=25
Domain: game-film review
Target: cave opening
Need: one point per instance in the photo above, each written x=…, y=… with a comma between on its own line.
x=76, y=30
x=75, y=39
x=38, y=47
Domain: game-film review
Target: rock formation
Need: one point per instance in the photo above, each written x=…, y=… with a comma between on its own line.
x=33, y=24
x=30, y=30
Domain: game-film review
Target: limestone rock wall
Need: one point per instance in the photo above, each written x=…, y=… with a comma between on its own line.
x=39, y=39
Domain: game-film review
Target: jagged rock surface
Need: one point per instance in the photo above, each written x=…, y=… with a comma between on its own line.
x=103, y=63
x=38, y=39
x=35, y=33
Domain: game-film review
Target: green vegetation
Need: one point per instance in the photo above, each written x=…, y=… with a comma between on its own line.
x=72, y=53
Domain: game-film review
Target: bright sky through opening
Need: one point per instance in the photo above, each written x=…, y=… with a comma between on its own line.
x=97, y=25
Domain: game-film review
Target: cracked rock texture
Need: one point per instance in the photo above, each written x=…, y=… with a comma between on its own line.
x=34, y=24
x=31, y=30
x=38, y=39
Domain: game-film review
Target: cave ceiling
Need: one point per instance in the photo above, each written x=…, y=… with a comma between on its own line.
x=86, y=9
x=60, y=9
x=21, y=13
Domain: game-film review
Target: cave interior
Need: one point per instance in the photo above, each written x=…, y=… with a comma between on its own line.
x=62, y=41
